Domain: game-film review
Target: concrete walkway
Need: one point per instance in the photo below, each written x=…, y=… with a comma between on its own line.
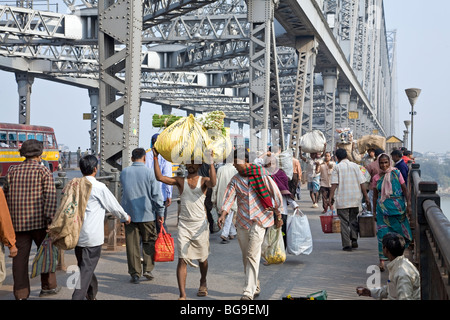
x=326, y=268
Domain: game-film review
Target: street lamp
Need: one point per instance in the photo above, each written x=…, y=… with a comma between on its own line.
x=412, y=94
x=406, y=132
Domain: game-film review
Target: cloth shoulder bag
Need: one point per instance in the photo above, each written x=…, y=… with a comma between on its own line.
x=66, y=226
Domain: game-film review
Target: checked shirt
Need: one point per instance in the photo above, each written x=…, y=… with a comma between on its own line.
x=31, y=195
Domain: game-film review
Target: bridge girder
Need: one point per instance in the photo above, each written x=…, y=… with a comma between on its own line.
x=213, y=41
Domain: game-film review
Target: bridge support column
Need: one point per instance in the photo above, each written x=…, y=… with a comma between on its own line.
x=330, y=77
x=264, y=92
x=353, y=107
x=344, y=100
x=307, y=50
x=24, y=83
x=226, y=123
x=94, y=100
x=166, y=109
x=120, y=22
x=241, y=128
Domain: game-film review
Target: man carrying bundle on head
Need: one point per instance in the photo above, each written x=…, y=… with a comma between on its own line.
x=193, y=227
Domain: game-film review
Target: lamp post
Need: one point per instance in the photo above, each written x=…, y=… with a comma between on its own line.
x=412, y=94
x=406, y=132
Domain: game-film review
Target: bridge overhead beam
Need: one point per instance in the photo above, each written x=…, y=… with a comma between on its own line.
x=302, y=18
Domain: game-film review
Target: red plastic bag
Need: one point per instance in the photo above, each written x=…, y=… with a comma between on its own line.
x=164, y=247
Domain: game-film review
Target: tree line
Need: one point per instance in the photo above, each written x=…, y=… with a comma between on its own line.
x=432, y=170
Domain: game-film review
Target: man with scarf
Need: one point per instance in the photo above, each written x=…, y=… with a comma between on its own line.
x=260, y=204
x=269, y=161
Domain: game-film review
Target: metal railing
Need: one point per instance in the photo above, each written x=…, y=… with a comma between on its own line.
x=431, y=233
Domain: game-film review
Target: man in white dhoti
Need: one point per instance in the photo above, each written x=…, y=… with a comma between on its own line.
x=193, y=227
x=224, y=175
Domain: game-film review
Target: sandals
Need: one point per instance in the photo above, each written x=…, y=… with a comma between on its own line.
x=202, y=291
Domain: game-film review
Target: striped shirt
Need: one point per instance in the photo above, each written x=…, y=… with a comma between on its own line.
x=31, y=195
x=249, y=207
x=349, y=178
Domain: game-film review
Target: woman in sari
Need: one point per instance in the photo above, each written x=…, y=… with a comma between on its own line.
x=392, y=204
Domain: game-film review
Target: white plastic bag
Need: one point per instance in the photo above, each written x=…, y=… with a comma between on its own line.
x=298, y=234
x=312, y=142
x=272, y=248
x=285, y=162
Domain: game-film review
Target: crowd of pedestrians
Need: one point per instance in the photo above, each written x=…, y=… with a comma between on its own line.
x=249, y=197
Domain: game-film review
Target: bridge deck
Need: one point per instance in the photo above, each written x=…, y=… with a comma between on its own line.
x=326, y=268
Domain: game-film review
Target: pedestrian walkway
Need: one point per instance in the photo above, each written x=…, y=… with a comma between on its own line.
x=326, y=268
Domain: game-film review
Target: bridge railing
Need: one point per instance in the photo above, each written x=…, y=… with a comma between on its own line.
x=431, y=233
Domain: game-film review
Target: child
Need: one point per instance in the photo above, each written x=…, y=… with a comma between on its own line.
x=404, y=279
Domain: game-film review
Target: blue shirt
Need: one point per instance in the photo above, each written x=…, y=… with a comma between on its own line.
x=404, y=169
x=166, y=170
x=141, y=196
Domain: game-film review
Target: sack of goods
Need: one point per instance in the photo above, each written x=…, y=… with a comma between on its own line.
x=371, y=142
x=285, y=163
x=191, y=140
x=312, y=142
x=344, y=136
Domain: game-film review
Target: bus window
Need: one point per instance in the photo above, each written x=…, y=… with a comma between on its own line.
x=30, y=136
x=22, y=138
x=40, y=137
x=3, y=139
x=12, y=138
x=49, y=141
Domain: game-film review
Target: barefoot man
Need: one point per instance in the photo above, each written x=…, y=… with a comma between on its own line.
x=193, y=226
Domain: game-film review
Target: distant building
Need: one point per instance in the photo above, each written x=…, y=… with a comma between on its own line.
x=393, y=143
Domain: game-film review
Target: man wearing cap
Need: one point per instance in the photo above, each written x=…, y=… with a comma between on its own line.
x=166, y=170
x=31, y=195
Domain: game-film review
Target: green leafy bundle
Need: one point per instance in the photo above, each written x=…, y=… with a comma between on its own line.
x=163, y=121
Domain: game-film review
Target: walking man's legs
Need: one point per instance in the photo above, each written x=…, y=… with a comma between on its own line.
x=250, y=242
x=87, y=286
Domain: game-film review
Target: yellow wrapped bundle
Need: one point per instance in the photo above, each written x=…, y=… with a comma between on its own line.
x=220, y=145
x=183, y=141
x=188, y=141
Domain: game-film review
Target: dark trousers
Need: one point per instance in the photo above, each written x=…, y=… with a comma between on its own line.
x=135, y=234
x=349, y=217
x=326, y=201
x=24, y=241
x=87, y=286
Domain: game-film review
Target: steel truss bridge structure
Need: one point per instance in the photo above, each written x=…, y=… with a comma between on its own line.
x=284, y=67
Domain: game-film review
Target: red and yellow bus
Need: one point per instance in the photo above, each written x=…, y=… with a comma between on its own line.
x=13, y=135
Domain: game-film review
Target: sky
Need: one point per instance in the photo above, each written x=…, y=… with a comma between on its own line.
x=423, y=48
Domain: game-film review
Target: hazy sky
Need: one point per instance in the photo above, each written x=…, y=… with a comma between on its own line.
x=423, y=48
